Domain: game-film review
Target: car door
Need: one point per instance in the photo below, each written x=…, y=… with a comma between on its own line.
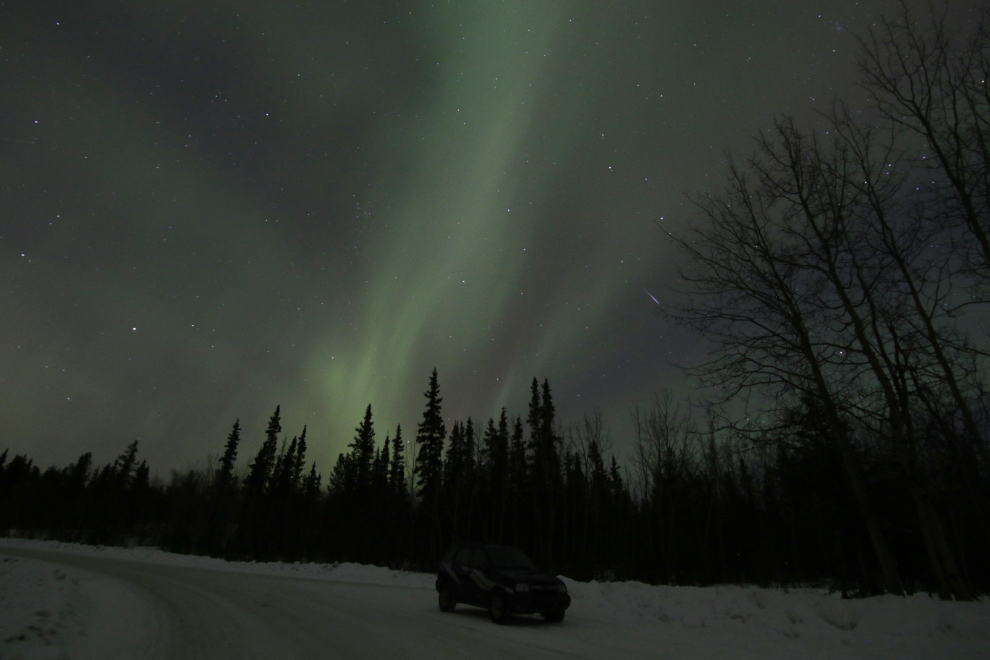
x=461, y=588
x=477, y=582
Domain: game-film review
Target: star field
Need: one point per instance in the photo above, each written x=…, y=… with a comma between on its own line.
x=207, y=210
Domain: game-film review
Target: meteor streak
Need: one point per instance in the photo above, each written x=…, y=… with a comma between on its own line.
x=651, y=296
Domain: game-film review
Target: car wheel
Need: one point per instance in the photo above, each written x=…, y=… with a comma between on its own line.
x=497, y=609
x=554, y=616
x=447, y=602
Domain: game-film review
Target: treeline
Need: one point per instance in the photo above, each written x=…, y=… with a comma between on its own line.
x=696, y=504
x=508, y=481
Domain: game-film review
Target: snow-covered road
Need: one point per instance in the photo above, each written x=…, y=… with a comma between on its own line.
x=115, y=605
x=199, y=613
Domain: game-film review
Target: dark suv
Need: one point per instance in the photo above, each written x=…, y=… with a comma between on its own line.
x=501, y=579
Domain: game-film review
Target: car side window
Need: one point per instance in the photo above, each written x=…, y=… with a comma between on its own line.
x=463, y=557
x=479, y=559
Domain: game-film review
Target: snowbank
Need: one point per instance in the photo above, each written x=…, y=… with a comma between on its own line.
x=791, y=614
x=341, y=572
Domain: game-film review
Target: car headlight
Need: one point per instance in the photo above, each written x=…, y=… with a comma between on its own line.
x=522, y=588
x=561, y=588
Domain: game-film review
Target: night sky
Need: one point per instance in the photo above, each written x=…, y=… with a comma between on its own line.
x=211, y=208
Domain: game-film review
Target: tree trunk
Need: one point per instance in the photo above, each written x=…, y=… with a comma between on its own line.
x=851, y=463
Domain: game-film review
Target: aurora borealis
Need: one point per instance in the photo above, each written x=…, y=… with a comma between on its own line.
x=209, y=209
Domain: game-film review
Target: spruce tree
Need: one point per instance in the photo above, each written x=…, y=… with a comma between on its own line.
x=430, y=438
x=299, y=464
x=453, y=464
x=341, y=481
x=453, y=485
x=487, y=495
x=261, y=467
x=470, y=449
x=547, y=416
x=382, y=470
x=124, y=464
x=78, y=472
x=493, y=475
x=221, y=505
x=545, y=467
x=254, y=534
x=500, y=450
x=428, y=469
x=311, y=485
x=535, y=418
x=397, y=468
x=363, y=452
x=516, y=483
x=226, y=469
x=598, y=505
x=137, y=493
x=469, y=477
x=278, y=480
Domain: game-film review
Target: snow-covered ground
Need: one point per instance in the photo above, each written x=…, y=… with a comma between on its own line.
x=58, y=612
x=49, y=611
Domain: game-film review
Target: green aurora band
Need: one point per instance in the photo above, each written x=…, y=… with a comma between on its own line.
x=232, y=206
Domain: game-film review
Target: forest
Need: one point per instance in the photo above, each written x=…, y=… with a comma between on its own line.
x=839, y=436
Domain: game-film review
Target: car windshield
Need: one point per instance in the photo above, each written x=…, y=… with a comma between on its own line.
x=509, y=558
